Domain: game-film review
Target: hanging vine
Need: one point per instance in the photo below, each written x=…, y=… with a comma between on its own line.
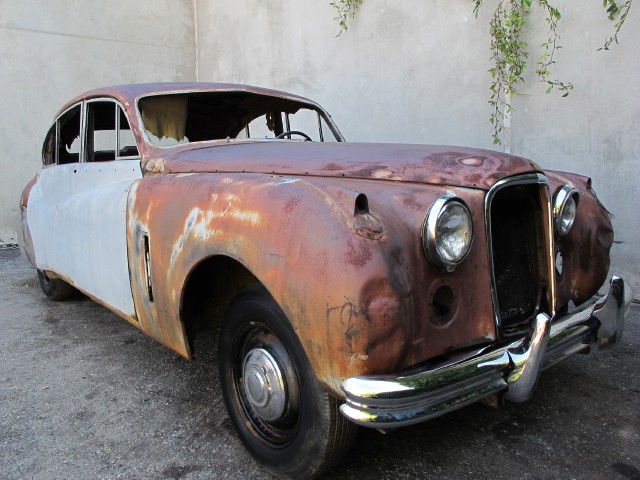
x=346, y=9
x=615, y=12
x=509, y=56
x=509, y=52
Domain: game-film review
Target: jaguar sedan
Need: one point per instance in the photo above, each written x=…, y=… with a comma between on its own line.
x=373, y=285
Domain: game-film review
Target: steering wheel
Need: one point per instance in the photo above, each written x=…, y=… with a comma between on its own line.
x=295, y=132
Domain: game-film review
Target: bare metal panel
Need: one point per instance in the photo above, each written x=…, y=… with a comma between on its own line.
x=77, y=219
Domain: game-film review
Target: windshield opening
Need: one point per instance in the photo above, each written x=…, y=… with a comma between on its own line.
x=178, y=118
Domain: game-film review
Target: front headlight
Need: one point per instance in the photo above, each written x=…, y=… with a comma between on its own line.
x=565, y=207
x=447, y=232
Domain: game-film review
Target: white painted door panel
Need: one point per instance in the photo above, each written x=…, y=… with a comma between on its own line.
x=77, y=217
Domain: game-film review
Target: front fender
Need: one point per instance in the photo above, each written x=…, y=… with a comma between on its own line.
x=347, y=270
x=585, y=249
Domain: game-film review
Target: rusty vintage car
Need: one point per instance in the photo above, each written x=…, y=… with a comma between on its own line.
x=353, y=284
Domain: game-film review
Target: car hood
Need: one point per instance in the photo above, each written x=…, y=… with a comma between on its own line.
x=430, y=164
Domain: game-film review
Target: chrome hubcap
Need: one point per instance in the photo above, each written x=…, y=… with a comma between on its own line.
x=264, y=384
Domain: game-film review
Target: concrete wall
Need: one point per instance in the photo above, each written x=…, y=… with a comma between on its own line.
x=52, y=51
x=416, y=71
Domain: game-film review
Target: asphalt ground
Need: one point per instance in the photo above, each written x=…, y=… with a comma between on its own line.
x=84, y=394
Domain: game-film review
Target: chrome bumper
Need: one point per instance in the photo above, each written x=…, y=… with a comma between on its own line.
x=388, y=401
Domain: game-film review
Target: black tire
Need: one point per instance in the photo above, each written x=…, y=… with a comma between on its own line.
x=55, y=288
x=294, y=428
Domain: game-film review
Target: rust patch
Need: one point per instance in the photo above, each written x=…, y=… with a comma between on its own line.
x=386, y=174
x=358, y=253
x=154, y=165
x=472, y=161
x=291, y=204
x=368, y=226
x=388, y=346
x=332, y=167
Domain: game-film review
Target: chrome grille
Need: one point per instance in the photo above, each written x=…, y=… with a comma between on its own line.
x=517, y=246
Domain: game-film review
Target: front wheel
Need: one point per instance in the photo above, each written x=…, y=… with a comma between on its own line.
x=282, y=414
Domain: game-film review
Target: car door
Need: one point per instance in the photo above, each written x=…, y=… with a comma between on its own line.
x=77, y=208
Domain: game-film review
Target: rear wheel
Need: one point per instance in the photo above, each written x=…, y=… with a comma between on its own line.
x=282, y=414
x=55, y=288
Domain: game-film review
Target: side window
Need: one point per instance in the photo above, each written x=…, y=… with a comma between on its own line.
x=101, y=131
x=69, y=140
x=49, y=146
x=310, y=122
x=126, y=141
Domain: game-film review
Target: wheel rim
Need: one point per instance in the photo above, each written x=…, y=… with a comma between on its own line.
x=265, y=385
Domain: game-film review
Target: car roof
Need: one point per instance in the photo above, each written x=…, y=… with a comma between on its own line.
x=129, y=93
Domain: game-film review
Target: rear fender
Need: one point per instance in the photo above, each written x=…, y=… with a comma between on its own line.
x=24, y=234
